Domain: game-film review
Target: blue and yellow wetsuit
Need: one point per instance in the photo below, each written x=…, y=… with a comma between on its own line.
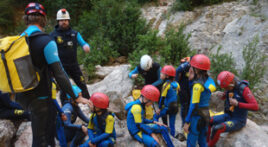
x=101, y=132
x=198, y=115
x=67, y=131
x=141, y=128
x=169, y=96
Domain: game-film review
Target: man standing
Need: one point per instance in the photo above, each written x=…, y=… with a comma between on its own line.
x=44, y=55
x=67, y=40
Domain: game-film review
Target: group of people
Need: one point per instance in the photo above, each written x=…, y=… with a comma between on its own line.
x=189, y=86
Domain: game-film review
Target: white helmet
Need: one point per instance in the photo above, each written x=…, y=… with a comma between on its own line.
x=63, y=14
x=146, y=62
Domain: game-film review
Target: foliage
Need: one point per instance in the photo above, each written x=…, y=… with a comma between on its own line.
x=254, y=68
x=177, y=46
x=221, y=62
x=187, y=5
x=7, y=19
x=120, y=22
x=100, y=54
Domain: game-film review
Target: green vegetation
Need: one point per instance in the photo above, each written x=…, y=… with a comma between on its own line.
x=254, y=68
x=188, y=5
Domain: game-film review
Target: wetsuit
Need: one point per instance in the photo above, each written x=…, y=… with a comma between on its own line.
x=66, y=130
x=38, y=101
x=198, y=115
x=170, y=107
x=141, y=129
x=101, y=131
x=11, y=110
x=233, y=120
x=151, y=77
x=184, y=94
x=67, y=42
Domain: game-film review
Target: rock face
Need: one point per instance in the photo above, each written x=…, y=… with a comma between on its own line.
x=117, y=80
x=7, y=132
x=251, y=135
x=24, y=135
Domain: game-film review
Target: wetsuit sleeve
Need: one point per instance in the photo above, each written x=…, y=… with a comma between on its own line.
x=250, y=99
x=136, y=112
x=56, y=104
x=148, y=121
x=180, y=69
x=5, y=99
x=135, y=71
x=159, y=81
x=197, y=90
x=68, y=123
x=81, y=41
x=81, y=115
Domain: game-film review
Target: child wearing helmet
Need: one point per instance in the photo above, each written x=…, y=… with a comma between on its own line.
x=140, y=128
x=67, y=131
x=149, y=70
x=168, y=102
x=238, y=100
x=101, y=129
x=196, y=122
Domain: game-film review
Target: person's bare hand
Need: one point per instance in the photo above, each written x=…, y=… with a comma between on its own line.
x=134, y=76
x=233, y=102
x=63, y=117
x=155, y=138
x=186, y=127
x=86, y=48
x=84, y=129
x=82, y=100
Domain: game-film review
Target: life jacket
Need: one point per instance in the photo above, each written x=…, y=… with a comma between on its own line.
x=67, y=45
x=99, y=123
x=150, y=76
x=238, y=113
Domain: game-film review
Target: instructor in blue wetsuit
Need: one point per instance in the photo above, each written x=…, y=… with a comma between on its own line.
x=44, y=54
x=67, y=41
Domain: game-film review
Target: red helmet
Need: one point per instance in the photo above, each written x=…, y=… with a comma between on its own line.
x=35, y=8
x=200, y=61
x=225, y=78
x=100, y=100
x=169, y=70
x=150, y=92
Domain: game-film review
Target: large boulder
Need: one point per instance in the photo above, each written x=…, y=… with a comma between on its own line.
x=251, y=135
x=116, y=80
x=24, y=135
x=7, y=132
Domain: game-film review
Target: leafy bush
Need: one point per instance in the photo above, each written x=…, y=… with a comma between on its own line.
x=177, y=46
x=100, y=54
x=187, y=5
x=254, y=68
x=221, y=62
x=7, y=20
x=120, y=22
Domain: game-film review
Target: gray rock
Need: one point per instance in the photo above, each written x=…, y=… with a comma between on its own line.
x=24, y=135
x=116, y=81
x=216, y=103
x=7, y=132
x=251, y=135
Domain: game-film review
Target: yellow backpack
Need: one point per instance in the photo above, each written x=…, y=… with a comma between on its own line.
x=17, y=72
